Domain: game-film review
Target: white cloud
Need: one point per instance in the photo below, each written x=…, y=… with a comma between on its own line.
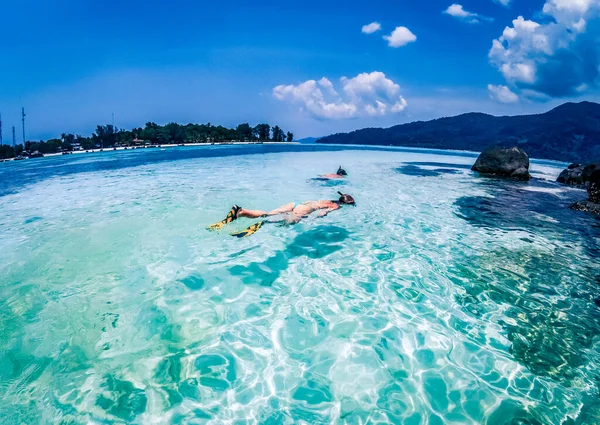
x=569, y=6
x=327, y=86
x=371, y=28
x=457, y=11
x=555, y=57
x=311, y=98
x=502, y=94
x=503, y=2
x=367, y=94
x=400, y=37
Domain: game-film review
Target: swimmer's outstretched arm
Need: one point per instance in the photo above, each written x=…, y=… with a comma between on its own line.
x=326, y=211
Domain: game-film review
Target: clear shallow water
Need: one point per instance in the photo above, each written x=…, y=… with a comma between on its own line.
x=441, y=298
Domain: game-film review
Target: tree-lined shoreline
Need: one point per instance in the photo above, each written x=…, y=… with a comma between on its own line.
x=109, y=136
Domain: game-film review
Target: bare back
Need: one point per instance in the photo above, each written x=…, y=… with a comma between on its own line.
x=309, y=207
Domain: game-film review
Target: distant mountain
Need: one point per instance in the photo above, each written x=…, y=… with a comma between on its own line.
x=307, y=140
x=570, y=132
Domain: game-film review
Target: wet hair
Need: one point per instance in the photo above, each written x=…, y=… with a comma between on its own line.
x=341, y=172
x=346, y=199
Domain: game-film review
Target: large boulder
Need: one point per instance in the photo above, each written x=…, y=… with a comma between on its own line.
x=572, y=175
x=577, y=174
x=590, y=170
x=594, y=187
x=593, y=202
x=506, y=162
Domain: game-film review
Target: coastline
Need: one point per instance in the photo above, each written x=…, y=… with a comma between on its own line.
x=124, y=148
x=440, y=151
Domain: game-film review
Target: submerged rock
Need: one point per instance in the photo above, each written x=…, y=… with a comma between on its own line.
x=586, y=206
x=506, y=162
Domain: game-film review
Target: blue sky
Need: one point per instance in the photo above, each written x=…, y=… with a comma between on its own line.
x=72, y=64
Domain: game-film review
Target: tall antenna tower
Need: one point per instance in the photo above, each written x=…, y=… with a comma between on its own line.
x=14, y=137
x=23, y=118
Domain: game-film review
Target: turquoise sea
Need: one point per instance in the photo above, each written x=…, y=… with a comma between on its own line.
x=442, y=298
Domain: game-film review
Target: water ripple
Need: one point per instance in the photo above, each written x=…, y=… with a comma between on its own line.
x=442, y=298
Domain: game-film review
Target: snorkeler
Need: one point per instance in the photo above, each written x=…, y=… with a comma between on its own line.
x=290, y=213
x=339, y=174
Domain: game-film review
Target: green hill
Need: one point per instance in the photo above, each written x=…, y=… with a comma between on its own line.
x=570, y=132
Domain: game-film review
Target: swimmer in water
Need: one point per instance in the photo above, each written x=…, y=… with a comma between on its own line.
x=339, y=174
x=290, y=213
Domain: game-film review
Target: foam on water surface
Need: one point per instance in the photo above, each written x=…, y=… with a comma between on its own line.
x=442, y=298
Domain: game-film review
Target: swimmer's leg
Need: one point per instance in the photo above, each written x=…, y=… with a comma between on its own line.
x=291, y=219
x=259, y=213
x=283, y=219
x=252, y=213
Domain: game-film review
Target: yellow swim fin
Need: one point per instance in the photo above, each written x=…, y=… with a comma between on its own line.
x=249, y=231
x=231, y=215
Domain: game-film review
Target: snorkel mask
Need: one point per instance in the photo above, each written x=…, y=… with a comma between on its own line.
x=341, y=172
x=346, y=199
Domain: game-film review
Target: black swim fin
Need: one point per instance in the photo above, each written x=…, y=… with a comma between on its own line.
x=249, y=231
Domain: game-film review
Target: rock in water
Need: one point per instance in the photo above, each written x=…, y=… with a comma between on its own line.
x=593, y=203
x=572, y=175
x=577, y=174
x=586, y=206
x=507, y=162
x=594, y=187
